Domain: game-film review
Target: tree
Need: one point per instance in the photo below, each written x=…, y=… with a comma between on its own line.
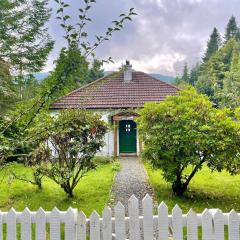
x=96, y=71
x=229, y=95
x=212, y=73
x=24, y=40
x=186, y=131
x=213, y=45
x=194, y=74
x=66, y=145
x=232, y=30
x=7, y=93
x=79, y=46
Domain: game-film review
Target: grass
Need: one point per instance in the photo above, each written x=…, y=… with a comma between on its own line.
x=92, y=192
x=206, y=190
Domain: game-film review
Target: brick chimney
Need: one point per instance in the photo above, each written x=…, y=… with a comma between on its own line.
x=127, y=72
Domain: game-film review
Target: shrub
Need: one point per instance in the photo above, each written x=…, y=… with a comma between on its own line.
x=186, y=130
x=67, y=145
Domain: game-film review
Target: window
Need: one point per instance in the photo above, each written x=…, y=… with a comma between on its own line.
x=128, y=127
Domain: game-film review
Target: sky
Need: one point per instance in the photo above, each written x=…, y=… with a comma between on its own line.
x=164, y=35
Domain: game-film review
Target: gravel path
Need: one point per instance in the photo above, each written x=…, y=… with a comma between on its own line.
x=131, y=179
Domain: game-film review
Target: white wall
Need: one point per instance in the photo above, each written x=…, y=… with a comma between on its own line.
x=108, y=149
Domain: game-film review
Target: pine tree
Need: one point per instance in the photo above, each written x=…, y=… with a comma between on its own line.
x=232, y=30
x=213, y=44
x=194, y=74
x=95, y=71
x=185, y=76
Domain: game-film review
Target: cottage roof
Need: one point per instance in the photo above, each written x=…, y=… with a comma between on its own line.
x=114, y=92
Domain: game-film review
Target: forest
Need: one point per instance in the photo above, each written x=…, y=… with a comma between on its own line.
x=218, y=73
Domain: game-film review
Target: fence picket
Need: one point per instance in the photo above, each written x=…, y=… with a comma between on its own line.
x=134, y=225
x=233, y=226
x=107, y=224
x=11, y=224
x=1, y=226
x=192, y=225
x=162, y=221
x=26, y=226
x=94, y=226
x=40, y=225
x=81, y=226
x=120, y=229
x=55, y=231
x=177, y=223
x=218, y=223
x=69, y=220
x=207, y=226
x=147, y=217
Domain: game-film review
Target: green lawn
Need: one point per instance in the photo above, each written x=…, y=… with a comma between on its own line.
x=207, y=190
x=91, y=193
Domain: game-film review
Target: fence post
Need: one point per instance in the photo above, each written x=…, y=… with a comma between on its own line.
x=147, y=217
x=192, y=225
x=40, y=225
x=162, y=221
x=26, y=225
x=120, y=228
x=55, y=231
x=233, y=226
x=177, y=223
x=94, y=226
x=69, y=220
x=107, y=224
x=207, y=225
x=81, y=226
x=218, y=224
x=134, y=226
x=11, y=224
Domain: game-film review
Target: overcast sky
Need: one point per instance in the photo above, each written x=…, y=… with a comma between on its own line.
x=164, y=35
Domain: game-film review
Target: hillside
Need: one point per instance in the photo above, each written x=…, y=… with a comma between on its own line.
x=40, y=76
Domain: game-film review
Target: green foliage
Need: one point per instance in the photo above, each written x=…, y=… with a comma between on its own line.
x=232, y=30
x=213, y=44
x=95, y=72
x=24, y=40
x=214, y=71
x=186, y=130
x=70, y=73
x=65, y=146
x=7, y=93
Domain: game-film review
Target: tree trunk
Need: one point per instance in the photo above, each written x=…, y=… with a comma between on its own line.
x=179, y=187
x=67, y=189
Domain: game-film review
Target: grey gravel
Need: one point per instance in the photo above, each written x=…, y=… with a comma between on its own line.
x=131, y=179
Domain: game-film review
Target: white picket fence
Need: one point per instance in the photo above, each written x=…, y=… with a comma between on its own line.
x=120, y=227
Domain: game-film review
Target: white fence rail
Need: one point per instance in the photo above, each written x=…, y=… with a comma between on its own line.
x=73, y=225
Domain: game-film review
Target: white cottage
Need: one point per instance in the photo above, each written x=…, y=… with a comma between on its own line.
x=116, y=97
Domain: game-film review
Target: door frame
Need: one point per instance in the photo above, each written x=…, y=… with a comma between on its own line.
x=136, y=137
x=115, y=121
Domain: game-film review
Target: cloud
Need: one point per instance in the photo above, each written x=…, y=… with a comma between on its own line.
x=164, y=35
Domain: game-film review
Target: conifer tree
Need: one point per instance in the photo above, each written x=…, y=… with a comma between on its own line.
x=213, y=44
x=185, y=76
x=194, y=74
x=232, y=30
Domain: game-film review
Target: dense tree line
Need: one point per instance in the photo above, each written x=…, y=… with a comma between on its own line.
x=218, y=74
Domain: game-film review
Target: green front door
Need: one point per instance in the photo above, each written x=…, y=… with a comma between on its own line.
x=127, y=137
